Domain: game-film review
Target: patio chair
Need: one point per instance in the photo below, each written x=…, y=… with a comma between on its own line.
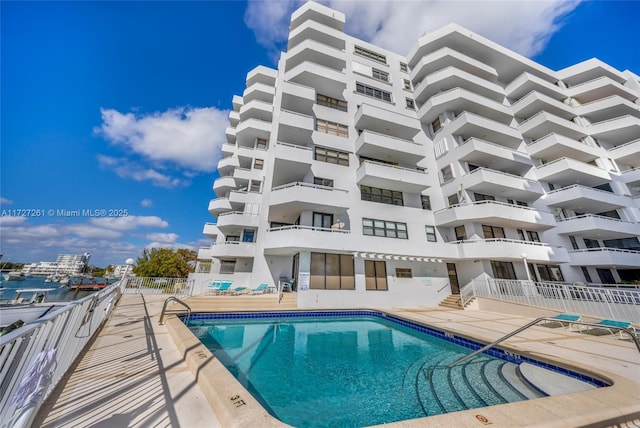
x=224, y=288
x=563, y=320
x=607, y=324
x=260, y=289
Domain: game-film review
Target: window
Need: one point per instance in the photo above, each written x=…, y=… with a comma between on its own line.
x=380, y=75
x=403, y=273
x=374, y=194
x=375, y=272
x=332, y=272
x=370, y=54
x=331, y=156
x=383, y=228
x=248, y=235
x=574, y=244
x=623, y=243
x=404, y=68
x=261, y=143
x=323, y=181
x=550, y=273
x=431, y=233
x=591, y=243
x=255, y=186
x=258, y=163
x=436, y=125
x=373, y=92
x=227, y=266
x=406, y=84
x=332, y=128
x=610, y=214
x=461, y=233
x=480, y=197
x=233, y=238
x=322, y=220
x=447, y=173
x=533, y=236
x=426, y=202
x=585, y=272
x=453, y=199
x=503, y=270
x=410, y=103
x=334, y=103
x=492, y=232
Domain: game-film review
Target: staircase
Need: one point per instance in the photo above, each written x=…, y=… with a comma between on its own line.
x=453, y=301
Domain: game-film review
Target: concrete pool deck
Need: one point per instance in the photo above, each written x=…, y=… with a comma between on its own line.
x=135, y=375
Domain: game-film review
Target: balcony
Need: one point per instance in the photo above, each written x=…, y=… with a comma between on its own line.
x=219, y=205
x=479, y=152
x=228, y=149
x=233, y=249
x=381, y=146
x=251, y=129
x=632, y=178
x=292, y=163
x=526, y=82
x=324, y=80
x=605, y=257
x=585, y=199
x=608, y=108
x=288, y=200
x=565, y=172
x=616, y=131
x=535, y=102
x=230, y=132
x=234, y=118
x=452, y=77
x=384, y=176
x=298, y=98
x=288, y=240
x=204, y=253
x=256, y=109
x=211, y=230
x=239, y=198
x=447, y=57
x=262, y=74
x=596, y=226
x=627, y=154
x=459, y=99
x=259, y=91
x=295, y=127
x=555, y=146
x=492, y=182
x=243, y=175
x=317, y=13
x=510, y=250
x=470, y=125
x=601, y=87
x=237, y=102
x=545, y=123
x=495, y=213
x=317, y=31
x=386, y=121
x=234, y=220
x=316, y=52
x=222, y=185
x=227, y=165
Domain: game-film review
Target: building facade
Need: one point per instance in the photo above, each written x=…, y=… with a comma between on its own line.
x=65, y=264
x=374, y=179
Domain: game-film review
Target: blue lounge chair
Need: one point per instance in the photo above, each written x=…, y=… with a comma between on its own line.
x=218, y=284
x=564, y=319
x=260, y=289
x=224, y=287
x=607, y=324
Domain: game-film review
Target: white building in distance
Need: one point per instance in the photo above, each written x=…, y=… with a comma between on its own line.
x=65, y=264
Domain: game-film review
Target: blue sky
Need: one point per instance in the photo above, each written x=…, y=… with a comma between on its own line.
x=121, y=105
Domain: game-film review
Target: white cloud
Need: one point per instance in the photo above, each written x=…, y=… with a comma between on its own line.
x=189, y=138
x=168, y=238
x=146, y=203
x=12, y=220
x=125, y=168
x=523, y=26
x=129, y=223
x=5, y=201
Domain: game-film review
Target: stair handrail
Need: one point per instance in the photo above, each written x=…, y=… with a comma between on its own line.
x=536, y=321
x=174, y=299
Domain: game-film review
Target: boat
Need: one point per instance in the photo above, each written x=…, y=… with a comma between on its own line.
x=87, y=286
x=19, y=310
x=14, y=276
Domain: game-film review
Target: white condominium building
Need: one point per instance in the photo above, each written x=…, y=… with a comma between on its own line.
x=374, y=179
x=65, y=264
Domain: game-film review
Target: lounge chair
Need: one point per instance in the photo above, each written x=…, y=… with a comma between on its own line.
x=224, y=288
x=260, y=289
x=563, y=320
x=217, y=284
x=610, y=325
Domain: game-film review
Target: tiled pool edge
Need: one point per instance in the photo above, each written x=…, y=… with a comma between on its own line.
x=496, y=352
x=576, y=409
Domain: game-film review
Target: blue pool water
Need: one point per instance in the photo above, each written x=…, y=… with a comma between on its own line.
x=353, y=369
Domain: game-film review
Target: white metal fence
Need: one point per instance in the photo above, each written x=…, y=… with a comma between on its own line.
x=35, y=357
x=147, y=285
x=598, y=302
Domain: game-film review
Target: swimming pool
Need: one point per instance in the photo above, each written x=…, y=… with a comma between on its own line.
x=357, y=368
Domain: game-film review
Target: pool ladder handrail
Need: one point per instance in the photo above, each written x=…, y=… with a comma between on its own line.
x=164, y=309
x=534, y=322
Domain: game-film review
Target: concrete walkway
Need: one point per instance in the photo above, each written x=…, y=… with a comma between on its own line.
x=132, y=376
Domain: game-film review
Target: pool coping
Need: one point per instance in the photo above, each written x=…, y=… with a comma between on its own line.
x=235, y=407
